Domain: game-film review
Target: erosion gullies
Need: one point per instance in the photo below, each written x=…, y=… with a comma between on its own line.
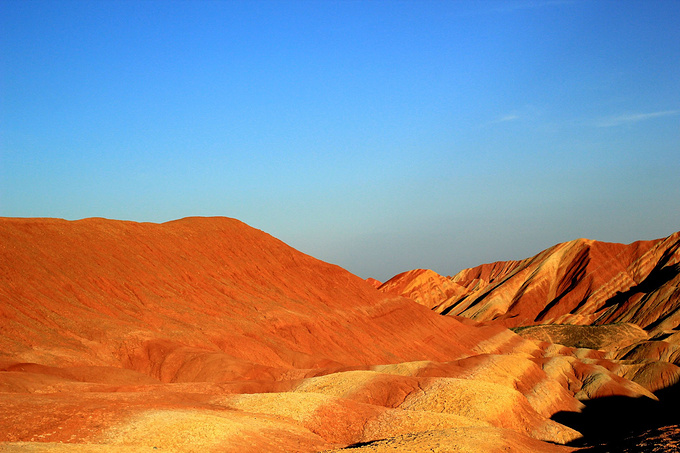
x=605, y=315
x=581, y=282
x=207, y=334
x=197, y=299
x=204, y=334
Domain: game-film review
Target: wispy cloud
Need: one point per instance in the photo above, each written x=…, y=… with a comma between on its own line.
x=634, y=118
x=503, y=119
x=507, y=118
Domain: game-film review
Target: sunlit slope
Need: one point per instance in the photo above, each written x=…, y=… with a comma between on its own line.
x=579, y=282
x=205, y=334
x=198, y=299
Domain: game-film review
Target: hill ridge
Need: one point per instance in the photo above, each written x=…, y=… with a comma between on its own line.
x=571, y=282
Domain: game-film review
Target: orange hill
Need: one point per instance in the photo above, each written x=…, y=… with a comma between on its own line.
x=204, y=334
x=581, y=282
x=207, y=299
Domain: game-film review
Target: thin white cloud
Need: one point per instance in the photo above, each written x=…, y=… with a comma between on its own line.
x=503, y=119
x=526, y=114
x=507, y=118
x=634, y=118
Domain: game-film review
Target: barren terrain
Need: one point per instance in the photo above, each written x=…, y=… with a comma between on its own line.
x=205, y=334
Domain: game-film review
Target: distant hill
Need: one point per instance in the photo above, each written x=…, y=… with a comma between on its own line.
x=581, y=282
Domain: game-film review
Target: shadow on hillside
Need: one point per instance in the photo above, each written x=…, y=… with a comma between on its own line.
x=615, y=423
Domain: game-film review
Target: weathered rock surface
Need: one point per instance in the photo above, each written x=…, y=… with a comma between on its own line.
x=579, y=282
x=605, y=317
x=204, y=299
x=608, y=337
x=204, y=334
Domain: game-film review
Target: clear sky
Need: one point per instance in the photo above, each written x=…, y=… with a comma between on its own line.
x=378, y=135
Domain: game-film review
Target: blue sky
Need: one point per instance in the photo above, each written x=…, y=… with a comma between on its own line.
x=378, y=135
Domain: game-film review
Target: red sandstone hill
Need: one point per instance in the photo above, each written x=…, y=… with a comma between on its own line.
x=579, y=282
x=204, y=334
x=207, y=299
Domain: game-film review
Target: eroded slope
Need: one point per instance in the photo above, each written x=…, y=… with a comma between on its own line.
x=581, y=282
x=204, y=334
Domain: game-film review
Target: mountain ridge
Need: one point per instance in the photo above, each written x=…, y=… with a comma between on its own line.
x=577, y=282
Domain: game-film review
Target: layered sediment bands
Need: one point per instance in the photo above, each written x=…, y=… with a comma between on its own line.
x=424, y=286
x=373, y=282
x=579, y=282
x=205, y=334
x=604, y=317
x=197, y=299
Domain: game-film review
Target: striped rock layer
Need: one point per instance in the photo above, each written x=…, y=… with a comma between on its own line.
x=582, y=282
x=204, y=334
